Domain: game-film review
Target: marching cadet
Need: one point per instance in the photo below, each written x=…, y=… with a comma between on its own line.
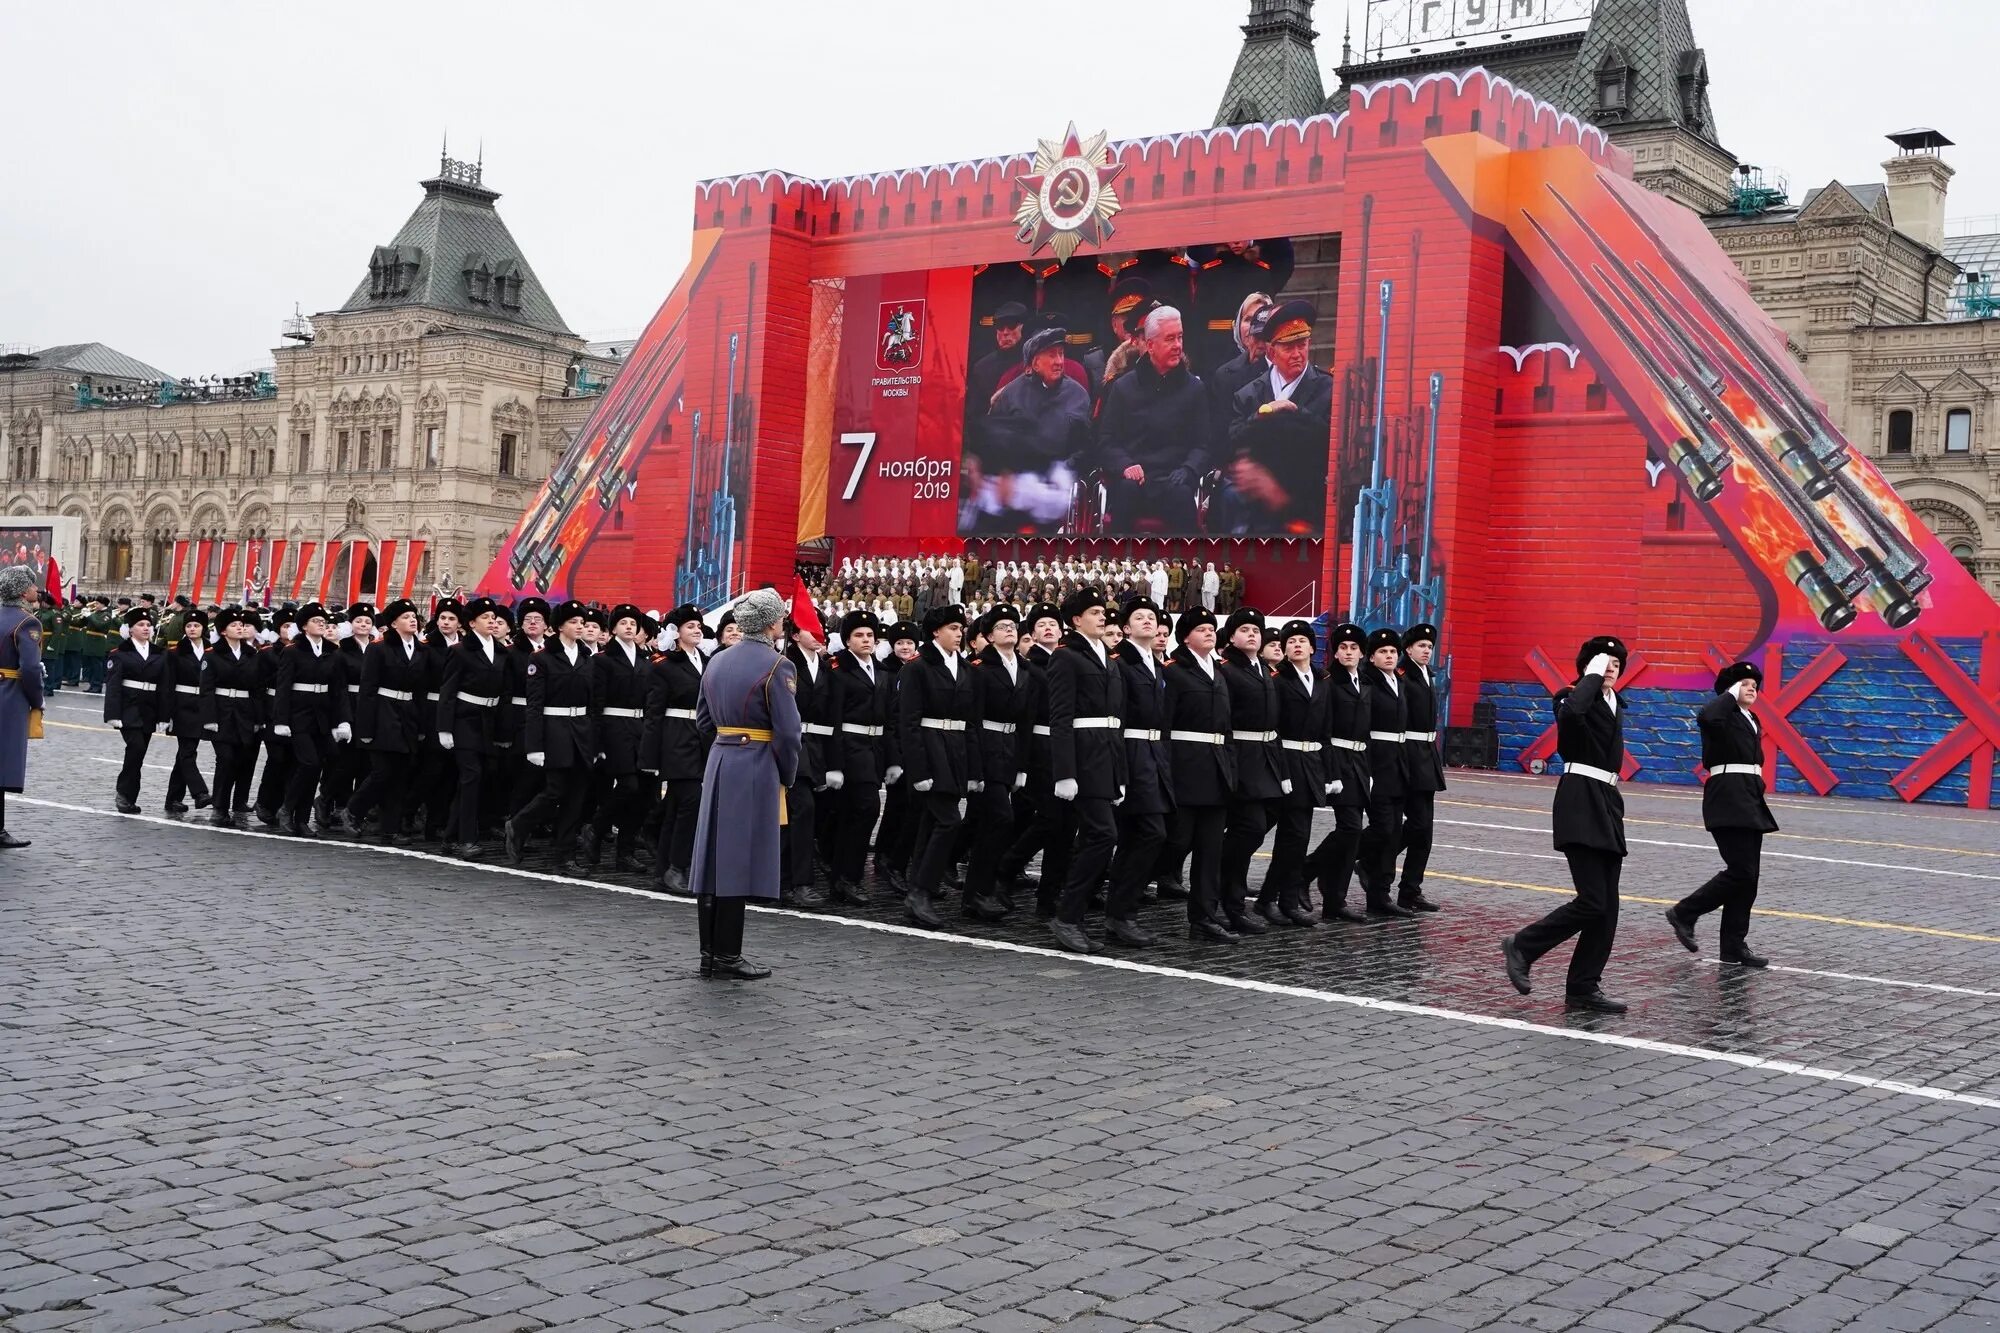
x=1388, y=772
x=232, y=703
x=621, y=682
x=1305, y=719
x=1734, y=812
x=1423, y=767
x=183, y=713
x=356, y=628
x=751, y=724
x=897, y=838
x=473, y=717
x=1260, y=781
x=1204, y=770
x=937, y=717
x=137, y=679
x=1040, y=822
x=533, y=632
x=673, y=746
x=1149, y=788
x=1004, y=715
x=1087, y=757
x=305, y=712
x=439, y=778
x=1350, y=717
x=277, y=778
x=1589, y=818
x=389, y=722
x=559, y=735
x=807, y=655
x=854, y=768
x=21, y=693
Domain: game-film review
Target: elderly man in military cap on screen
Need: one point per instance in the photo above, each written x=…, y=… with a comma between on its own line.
x=749, y=712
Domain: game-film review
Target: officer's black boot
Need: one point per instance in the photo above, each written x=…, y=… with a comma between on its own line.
x=7, y=839
x=729, y=960
x=704, y=915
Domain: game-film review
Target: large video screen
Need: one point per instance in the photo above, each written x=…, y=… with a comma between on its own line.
x=1165, y=393
x=27, y=546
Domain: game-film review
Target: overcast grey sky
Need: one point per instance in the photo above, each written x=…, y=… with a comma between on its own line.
x=176, y=175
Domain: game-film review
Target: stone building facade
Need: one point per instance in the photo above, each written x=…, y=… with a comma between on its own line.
x=426, y=407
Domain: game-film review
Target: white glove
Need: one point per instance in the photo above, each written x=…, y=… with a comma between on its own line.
x=209, y=726
x=1066, y=789
x=1285, y=786
x=925, y=785
x=281, y=731
x=115, y=726
x=835, y=779
x=894, y=775
x=974, y=785
x=1337, y=787
x=167, y=728
x=1020, y=780
x=1121, y=795
x=1736, y=691
x=537, y=758
x=343, y=733
x=447, y=740
x=1332, y=787
x=650, y=772
x=1596, y=666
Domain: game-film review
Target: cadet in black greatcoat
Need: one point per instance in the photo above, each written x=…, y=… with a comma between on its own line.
x=391, y=720
x=1149, y=780
x=854, y=763
x=1423, y=767
x=1005, y=716
x=137, y=680
x=1350, y=717
x=1040, y=821
x=937, y=719
x=1204, y=770
x=231, y=688
x=897, y=838
x=438, y=780
x=305, y=711
x=1305, y=703
x=627, y=773
x=473, y=717
x=806, y=651
x=560, y=735
x=184, y=715
x=1589, y=818
x=1087, y=756
x=277, y=778
x=1734, y=812
x=673, y=746
x=1253, y=735
x=1388, y=771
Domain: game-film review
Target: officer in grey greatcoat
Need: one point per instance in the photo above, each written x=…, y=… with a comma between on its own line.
x=20, y=686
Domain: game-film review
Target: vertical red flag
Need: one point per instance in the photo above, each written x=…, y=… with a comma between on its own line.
x=804, y=614
x=328, y=554
x=357, y=556
x=52, y=581
x=201, y=554
x=180, y=563
x=274, y=568
x=383, y=563
x=306, y=553
x=411, y=559
x=222, y=590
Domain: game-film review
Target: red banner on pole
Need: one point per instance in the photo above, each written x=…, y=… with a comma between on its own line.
x=382, y=567
x=223, y=592
x=328, y=551
x=306, y=552
x=411, y=559
x=201, y=554
x=180, y=563
x=274, y=567
x=357, y=557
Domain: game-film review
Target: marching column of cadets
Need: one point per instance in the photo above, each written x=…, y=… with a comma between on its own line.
x=945, y=755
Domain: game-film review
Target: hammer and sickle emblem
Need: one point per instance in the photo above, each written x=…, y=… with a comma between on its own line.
x=1069, y=192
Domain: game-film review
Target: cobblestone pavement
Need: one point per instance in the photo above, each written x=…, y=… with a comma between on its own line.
x=265, y=1085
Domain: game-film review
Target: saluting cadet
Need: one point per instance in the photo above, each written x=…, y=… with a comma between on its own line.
x=390, y=716
x=559, y=736
x=1005, y=715
x=1039, y=819
x=472, y=716
x=749, y=715
x=1350, y=717
x=1149, y=786
x=673, y=746
x=1305, y=704
x=183, y=713
x=137, y=680
x=937, y=717
x=1087, y=756
x=231, y=696
x=1388, y=772
x=305, y=707
x=1589, y=817
x=808, y=658
x=1423, y=767
x=277, y=778
x=1734, y=812
x=855, y=767
x=1204, y=770
x=621, y=676
x=897, y=838
x=1260, y=782
x=21, y=694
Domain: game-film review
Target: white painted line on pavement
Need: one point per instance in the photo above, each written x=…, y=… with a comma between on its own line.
x=1739, y=1059
x=1879, y=981
x=101, y=759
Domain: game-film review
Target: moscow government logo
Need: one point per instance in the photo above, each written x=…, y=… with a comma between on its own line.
x=899, y=336
x=1067, y=197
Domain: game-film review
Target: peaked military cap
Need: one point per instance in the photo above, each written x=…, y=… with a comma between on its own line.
x=1010, y=315
x=1289, y=323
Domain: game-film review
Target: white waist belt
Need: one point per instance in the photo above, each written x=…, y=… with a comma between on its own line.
x=1339, y=744
x=187, y=689
x=1746, y=770
x=563, y=712
x=1265, y=736
x=625, y=712
x=685, y=714
x=1603, y=775
x=1303, y=747
x=354, y=689
x=233, y=694
x=1042, y=729
x=1427, y=737
x=943, y=723
x=139, y=684
x=1396, y=737
x=1096, y=723
x=1199, y=737
x=1004, y=728
x=480, y=700
x=518, y=700
x=307, y=688
x=858, y=729
x=431, y=695
x=1142, y=734
x=400, y=696
x=810, y=728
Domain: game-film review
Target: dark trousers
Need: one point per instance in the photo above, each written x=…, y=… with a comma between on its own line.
x=801, y=826
x=898, y=837
x=1248, y=822
x=72, y=668
x=1419, y=825
x=437, y=786
x=1035, y=822
x=186, y=776
x=388, y=786
x=678, y=813
x=1129, y=501
x=526, y=785
x=93, y=674
x=624, y=801
x=989, y=816
x=1095, y=836
x=1198, y=832
x=720, y=921
x=860, y=803
x=137, y=739
x=1140, y=838
x=476, y=777
x=303, y=783
x=561, y=797
x=1285, y=881
x=936, y=832
x=1733, y=888
x=1591, y=916
x=343, y=765
x=277, y=780
x=1335, y=856
x=1377, y=861
x=234, y=763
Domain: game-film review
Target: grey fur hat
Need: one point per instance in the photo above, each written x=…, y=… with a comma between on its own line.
x=757, y=611
x=15, y=581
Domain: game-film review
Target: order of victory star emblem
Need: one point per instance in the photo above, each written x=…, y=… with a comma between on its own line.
x=1067, y=197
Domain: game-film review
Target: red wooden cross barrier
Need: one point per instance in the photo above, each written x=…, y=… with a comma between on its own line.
x=1776, y=702
x=1545, y=671
x=1975, y=737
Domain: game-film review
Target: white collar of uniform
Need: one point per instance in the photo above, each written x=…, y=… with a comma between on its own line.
x=1282, y=392
x=572, y=652
x=1207, y=664
x=1751, y=718
x=1611, y=698
x=695, y=657
x=144, y=650
x=1305, y=675
x=486, y=645
x=409, y=645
